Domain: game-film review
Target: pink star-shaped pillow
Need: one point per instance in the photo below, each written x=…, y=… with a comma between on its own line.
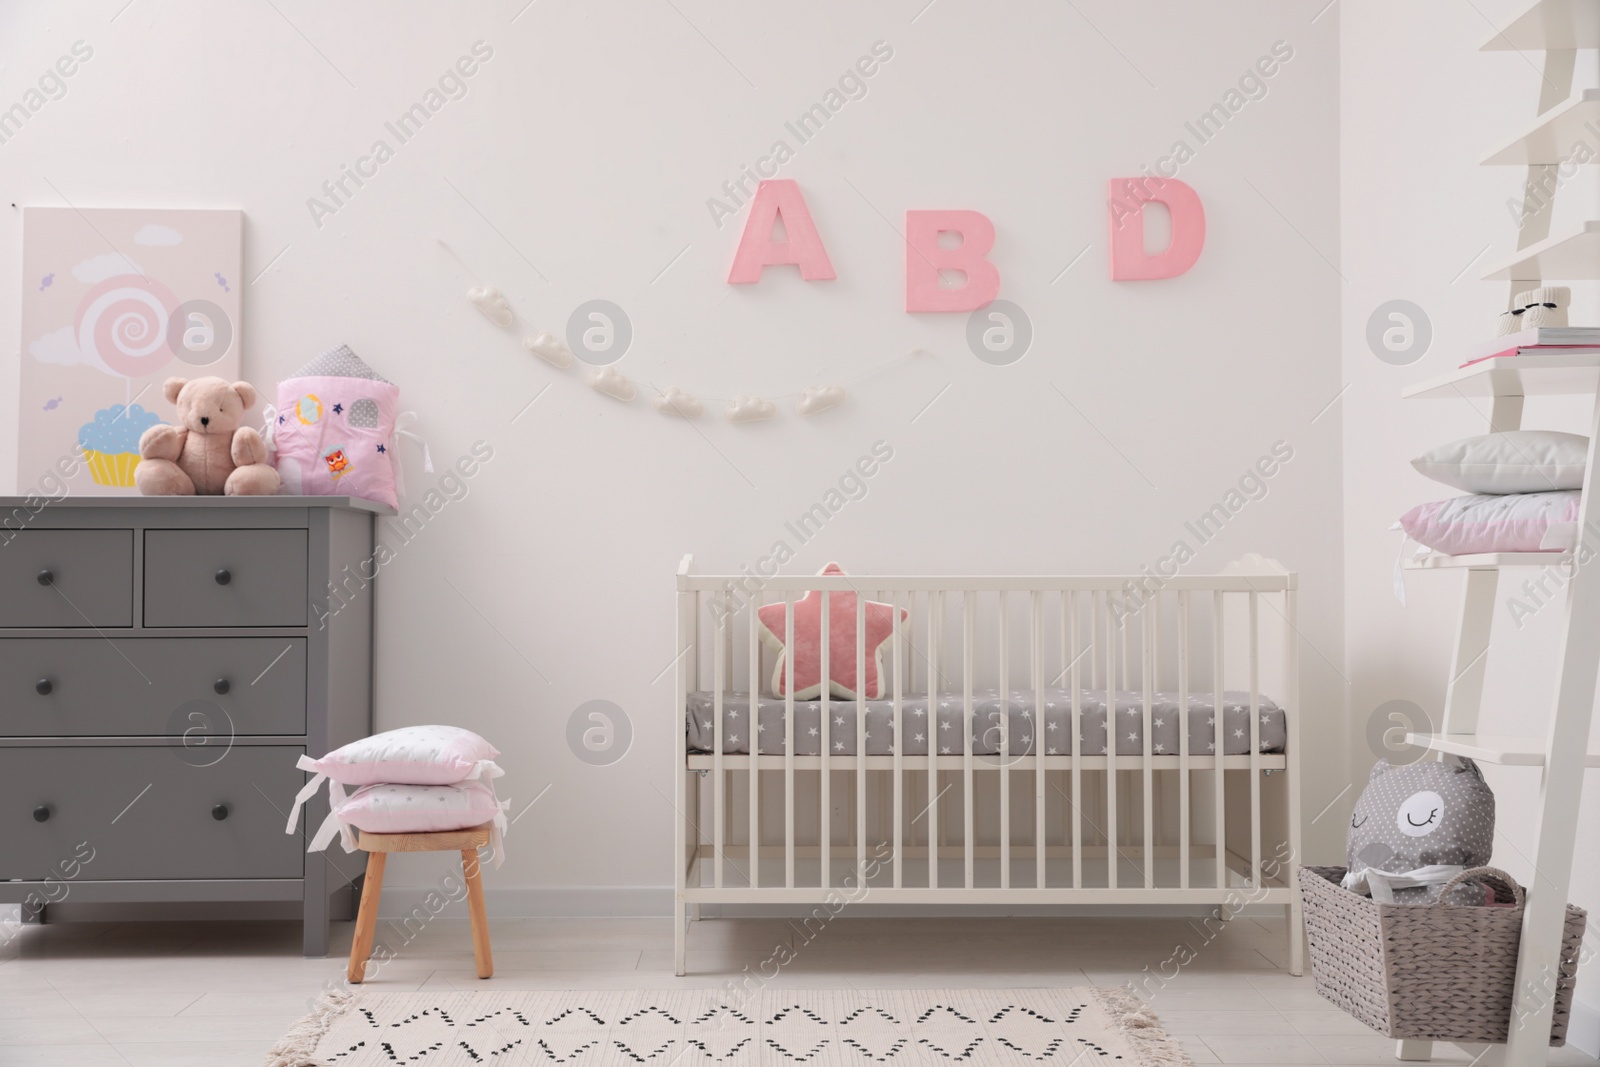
x=844, y=677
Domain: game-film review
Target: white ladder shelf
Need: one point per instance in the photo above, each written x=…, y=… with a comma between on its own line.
x=1558, y=28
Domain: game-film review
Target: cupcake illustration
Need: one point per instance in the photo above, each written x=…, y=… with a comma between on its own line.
x=111, y=442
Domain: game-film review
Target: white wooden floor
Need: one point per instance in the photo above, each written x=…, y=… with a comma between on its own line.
x=218, y=994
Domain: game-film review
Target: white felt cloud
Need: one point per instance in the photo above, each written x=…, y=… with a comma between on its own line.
x=495, y=307
x=677, y=402
x=612, y=383
x=750, y=409
x=549, y=349
x=820, y=398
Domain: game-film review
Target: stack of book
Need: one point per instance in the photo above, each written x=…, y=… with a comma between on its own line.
x=1540, y=340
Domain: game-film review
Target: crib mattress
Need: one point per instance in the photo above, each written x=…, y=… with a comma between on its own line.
x=945, y=712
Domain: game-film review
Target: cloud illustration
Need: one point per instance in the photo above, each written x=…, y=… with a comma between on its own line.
x=612, y=383
x=109, y=265
x=677, y=402
x=157, y=235
x=750, y=409
x=60, y=348
x=820, y=398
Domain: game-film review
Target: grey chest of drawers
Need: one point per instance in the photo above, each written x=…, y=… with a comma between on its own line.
x=163, y=662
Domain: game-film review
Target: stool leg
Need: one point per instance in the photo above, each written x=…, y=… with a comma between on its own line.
x=367, y=917
x=480, y=918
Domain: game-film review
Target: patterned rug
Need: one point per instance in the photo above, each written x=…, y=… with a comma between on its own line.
x=728, y=1028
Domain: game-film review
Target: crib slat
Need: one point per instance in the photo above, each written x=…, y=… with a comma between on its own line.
x=1036, y=650
x=825, y=834
x=719, y=654
x=1147, y=648
x=899, y=730
x=1122, y=641
x=1183, y=739
x=861, y=734
x=1218, y=615
x=935, y=628
x=1255, y=742
x=754, y=726
x=788, y=746
x=969, y=602
x=1005, y=747
x=1095, y=659
x=1072, y=819
x=1112, y=837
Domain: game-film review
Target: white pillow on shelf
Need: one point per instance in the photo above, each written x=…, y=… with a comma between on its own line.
x=1516, y=461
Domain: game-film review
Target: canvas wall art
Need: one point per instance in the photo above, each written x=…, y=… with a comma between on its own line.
x=114, y=302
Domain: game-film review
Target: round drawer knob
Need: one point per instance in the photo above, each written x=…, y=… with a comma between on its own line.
x=46, y=578
x=219, y=812
x=224, y=576
x=221, y=686
x=41, y=813
x=43, y=687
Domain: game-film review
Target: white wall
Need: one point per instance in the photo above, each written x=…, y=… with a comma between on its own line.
x=589, y=144
x=1420, y=107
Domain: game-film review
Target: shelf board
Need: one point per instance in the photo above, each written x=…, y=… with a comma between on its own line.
x=1551, y=136
x=1572, y=255
x=1507, y=750
x=1486, y=560
x=1549, y=24
x=1568, y=373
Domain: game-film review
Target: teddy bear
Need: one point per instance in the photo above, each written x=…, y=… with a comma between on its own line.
x=210, y=451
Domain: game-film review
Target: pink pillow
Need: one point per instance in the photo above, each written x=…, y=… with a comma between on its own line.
x=845, y=676
x=383, y=808
x=419, y=809
x=412, y=755
x=1516, y=522
x=334, y=430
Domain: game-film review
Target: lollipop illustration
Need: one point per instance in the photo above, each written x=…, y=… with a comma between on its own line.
x=123, y=320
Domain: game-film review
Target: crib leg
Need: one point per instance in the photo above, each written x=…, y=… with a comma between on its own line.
x=1413, y=1050
x=1297, y=938
x=679, y=933
x=694, y=913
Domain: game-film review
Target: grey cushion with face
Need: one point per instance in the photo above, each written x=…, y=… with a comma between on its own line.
x=1419, y=815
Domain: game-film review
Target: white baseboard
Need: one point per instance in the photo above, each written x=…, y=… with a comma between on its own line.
x=656, y=901
x=1583, y=1029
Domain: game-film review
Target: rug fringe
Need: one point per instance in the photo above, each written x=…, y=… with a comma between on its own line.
x=295, y=1049
x=1135, y=1021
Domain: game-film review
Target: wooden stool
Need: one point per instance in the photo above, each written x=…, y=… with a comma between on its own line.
x=378, y=847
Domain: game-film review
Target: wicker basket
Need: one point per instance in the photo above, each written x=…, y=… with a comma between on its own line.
x=1439, y=972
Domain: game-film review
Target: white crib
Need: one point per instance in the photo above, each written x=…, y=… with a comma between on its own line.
x=1005, y=828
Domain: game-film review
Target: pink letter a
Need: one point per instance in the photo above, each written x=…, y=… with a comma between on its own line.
x=775, y=199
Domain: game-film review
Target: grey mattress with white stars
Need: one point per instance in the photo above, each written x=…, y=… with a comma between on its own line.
x=987, y=709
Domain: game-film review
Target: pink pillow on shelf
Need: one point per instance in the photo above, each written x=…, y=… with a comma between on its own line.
x=1517, y=522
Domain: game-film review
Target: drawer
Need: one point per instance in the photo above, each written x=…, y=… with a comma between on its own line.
x=67, y=578
x=147, y=814
x=225, y=578
x=152, y=687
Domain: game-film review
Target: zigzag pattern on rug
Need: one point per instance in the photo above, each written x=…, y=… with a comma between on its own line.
x=680, y=1028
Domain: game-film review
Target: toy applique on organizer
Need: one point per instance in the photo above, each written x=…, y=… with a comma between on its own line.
x=1417, y=826
x=337, y=429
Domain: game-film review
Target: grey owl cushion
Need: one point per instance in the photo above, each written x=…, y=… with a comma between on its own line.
x=1417, y=818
